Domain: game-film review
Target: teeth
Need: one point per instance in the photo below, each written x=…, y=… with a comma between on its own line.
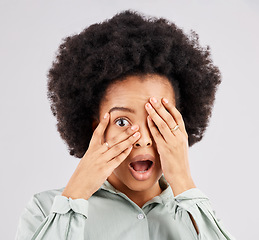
x=141, y=171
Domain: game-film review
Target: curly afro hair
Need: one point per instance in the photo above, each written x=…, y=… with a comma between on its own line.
x=128, y=44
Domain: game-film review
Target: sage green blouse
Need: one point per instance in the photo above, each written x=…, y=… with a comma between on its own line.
x=110, y=214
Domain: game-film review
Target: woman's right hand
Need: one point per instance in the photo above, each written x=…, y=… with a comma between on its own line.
x=99, y=161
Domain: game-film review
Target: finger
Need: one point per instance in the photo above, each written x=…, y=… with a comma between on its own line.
x=119, y=138
x=159, y=122
x=123, y=136
x=155, y=133
x=163, y=113
x=176, y=114
x=117, y=149
x=98, y=133
x=115, y=162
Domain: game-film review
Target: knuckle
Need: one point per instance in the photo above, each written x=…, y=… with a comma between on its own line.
x=115, y=159
x=157, y=134
x=124, y=154
x=152, y=113
x=168, y=119
x=113, y=141
x=116, y=148
x=168, y=150
x=103, y=148
x=162, y=126
x=118, y=158
x=158, y=106
x=96, y=133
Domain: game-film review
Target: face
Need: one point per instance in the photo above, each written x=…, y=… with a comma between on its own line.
x=133, y=93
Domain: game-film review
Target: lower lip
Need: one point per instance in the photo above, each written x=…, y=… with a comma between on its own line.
x=142, y=176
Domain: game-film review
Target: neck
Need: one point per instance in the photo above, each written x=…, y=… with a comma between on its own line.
x=141, y=197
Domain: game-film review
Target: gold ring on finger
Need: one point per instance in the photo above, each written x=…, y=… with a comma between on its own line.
x=175, y=128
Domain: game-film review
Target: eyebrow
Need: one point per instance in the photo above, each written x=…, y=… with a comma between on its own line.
x=124, y=109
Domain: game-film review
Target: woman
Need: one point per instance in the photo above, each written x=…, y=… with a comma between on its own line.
x=130, y=95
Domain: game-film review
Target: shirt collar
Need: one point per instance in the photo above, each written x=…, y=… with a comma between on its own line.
x=166, y=195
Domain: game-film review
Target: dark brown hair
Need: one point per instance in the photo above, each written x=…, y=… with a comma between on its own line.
x=127, y=44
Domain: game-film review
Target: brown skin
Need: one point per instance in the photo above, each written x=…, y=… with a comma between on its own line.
x=170, y=149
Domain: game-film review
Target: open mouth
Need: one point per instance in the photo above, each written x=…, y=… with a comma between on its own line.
x=141, y=166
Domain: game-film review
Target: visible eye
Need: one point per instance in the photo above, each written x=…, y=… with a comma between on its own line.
x=122, y=122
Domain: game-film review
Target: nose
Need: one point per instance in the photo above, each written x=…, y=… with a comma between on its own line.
x=145, y=138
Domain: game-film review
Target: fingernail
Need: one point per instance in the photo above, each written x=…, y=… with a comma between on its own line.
x=153, y=100
x=165, y=100
x=106, y=115
x=136, y=134
x=148, y=105
x=134, y=127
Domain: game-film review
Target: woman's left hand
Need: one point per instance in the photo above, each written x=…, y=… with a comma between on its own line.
x=172, y=146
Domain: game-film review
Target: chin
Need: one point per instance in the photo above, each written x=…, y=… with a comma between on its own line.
x=139, y=186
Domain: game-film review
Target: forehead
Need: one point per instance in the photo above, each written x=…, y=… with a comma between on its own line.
x=135, y=91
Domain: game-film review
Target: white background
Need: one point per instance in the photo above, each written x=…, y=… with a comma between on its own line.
x=33, y=156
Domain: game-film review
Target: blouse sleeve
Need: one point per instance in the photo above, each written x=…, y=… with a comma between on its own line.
x=66, y=220
x=193, y=201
